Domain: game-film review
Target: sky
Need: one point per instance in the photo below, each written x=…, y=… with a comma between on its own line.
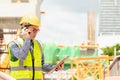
x=65, y=21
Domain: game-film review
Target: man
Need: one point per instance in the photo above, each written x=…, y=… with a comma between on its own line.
x=26, y=54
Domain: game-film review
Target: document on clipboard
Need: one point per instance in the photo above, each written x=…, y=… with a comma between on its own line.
x=56, y=66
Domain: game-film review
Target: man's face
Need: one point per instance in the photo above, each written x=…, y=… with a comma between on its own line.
x=33, y=30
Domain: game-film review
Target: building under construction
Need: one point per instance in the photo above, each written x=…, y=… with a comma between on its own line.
x=81, y=41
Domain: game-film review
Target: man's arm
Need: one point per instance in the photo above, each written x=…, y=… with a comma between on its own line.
x=22, y=52
x=46, y=66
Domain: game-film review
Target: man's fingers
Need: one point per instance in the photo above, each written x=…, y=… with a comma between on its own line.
x=60, y=67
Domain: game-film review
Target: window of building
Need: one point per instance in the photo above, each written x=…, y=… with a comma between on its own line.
x=109, y=17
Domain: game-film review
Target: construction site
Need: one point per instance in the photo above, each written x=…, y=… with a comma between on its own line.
x=88, y=31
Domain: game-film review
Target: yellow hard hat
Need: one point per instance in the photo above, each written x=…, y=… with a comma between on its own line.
x=31, y=19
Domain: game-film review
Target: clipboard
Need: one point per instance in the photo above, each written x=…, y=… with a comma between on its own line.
x=56, y=66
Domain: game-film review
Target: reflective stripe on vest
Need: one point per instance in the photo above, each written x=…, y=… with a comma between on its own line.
x=22, y=69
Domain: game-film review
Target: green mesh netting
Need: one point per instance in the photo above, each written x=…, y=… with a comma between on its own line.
x=69, y=51
x=73, y=52
x=50, y=51
x=53, y=54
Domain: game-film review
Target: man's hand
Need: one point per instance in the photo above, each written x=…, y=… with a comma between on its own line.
x=26, y=33
x=60, y=67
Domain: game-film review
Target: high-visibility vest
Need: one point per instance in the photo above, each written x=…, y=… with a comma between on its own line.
x=22, y=69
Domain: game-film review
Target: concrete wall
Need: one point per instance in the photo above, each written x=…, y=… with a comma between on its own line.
x=9, y=9
x=16, y=10
x=9, y=1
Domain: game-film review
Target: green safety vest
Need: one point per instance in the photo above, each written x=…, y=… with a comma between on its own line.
x=22, y=69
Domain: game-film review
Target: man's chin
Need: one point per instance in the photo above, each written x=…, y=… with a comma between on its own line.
x=33, y=38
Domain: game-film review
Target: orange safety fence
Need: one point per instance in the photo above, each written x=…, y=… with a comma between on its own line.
x=90, y=67
x=4, y=62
